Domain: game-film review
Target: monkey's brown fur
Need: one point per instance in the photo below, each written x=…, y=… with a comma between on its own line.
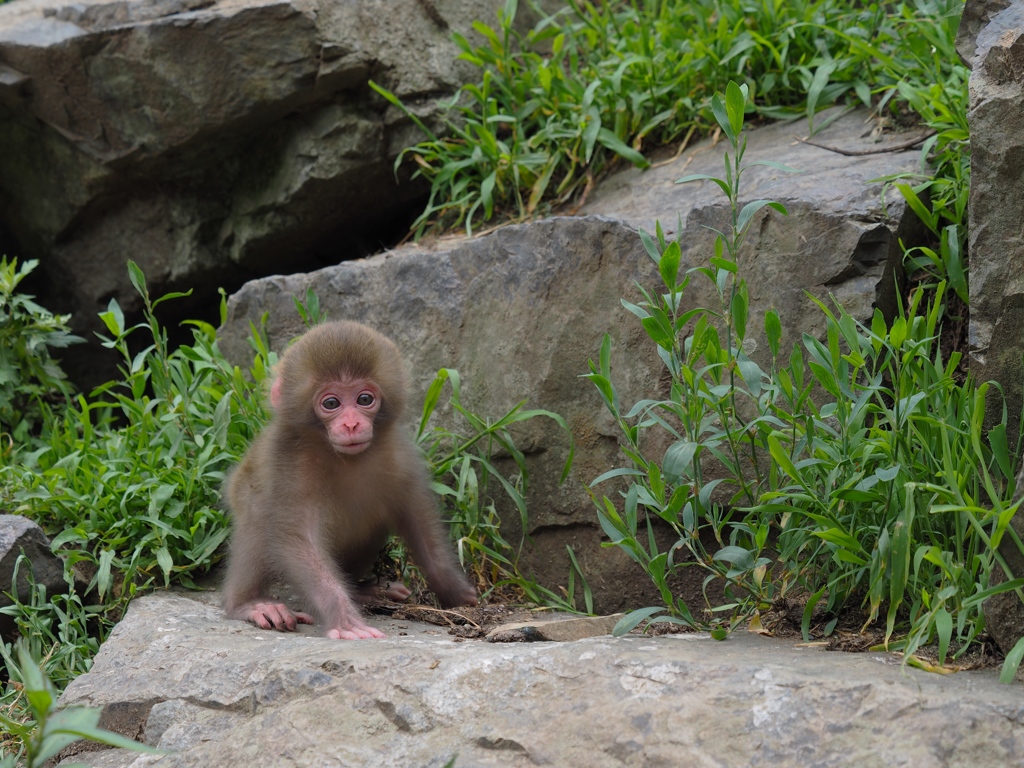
x=316, y=518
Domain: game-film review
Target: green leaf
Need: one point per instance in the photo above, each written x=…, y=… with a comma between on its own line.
x=735, y=104
x=821, y=78
x=679, y=457
x=718, y=108
x=591, y=129
x=739, y=312
x=1012, y=662
x=668, y=265
x=649, y=245
x=166, y=562
x=631, y=619
x=616, y=145
x=113, y=318
x=917, y=205
x=743, y=220
x=723, y=185
x=944, y=630
x=953, y=261
x=137, y=278
x=773, y=330
x=782, y=458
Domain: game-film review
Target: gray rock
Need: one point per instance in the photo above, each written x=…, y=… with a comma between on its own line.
x=520, y=311
x=996, y=120
x=226, y=694
x=996, y=246
x=559, y=630
x=977, y=14
x=20, y=535
x=209, y=141
x=1004, y=613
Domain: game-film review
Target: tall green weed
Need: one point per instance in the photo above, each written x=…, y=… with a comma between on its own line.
x=31, y=380
x=856, y=469
x=601, y=81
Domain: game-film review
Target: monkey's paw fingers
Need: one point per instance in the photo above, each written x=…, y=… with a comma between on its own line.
x=381, y=589
x=463, y=596
x=397, y=591
x=276, y=616
x=355, y=632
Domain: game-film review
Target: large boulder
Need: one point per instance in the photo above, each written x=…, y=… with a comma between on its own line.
x=996, y=119
x=25, y=551
x=213, y=692
x=21, y=536
x=520, y=311
x=209, y=141
x=992, y=41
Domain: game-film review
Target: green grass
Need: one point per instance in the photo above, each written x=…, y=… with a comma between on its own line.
x=30, y=379
x=859, y=471
x=610, y=81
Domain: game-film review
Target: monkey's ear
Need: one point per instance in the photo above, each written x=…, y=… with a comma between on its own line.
x=275, y=393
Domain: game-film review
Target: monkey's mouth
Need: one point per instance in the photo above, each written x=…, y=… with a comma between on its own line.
x=350, y=449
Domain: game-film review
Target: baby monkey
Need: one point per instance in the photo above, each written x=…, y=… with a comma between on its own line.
x=327, y=481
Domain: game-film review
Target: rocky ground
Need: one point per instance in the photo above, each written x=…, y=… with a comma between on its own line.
x=214, y=692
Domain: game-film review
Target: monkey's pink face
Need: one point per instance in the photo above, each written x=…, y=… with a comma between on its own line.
x=347, y=408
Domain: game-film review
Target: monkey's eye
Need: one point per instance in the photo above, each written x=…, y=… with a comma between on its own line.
x=330, y=403
x=365, y=399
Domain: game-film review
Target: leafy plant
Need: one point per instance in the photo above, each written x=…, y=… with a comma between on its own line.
x=597, y=82
x=30, y=379
x=46, y=731
x=934, y=85
x=714, y=384
x=860, y=459
x=129, y=478
x=464, y=471
x=59, y=629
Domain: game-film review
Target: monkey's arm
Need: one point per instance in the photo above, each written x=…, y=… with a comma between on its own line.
x=309, y=568
x=246, y=586
x=424, y=533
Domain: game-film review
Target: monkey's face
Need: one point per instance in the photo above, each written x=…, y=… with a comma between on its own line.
x=347, y=409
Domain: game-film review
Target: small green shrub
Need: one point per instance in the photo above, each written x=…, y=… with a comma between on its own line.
x=60, y=631
x=43, y=731
x=859, y=458
x=129, y=477
x=600, y=81
x=30, y=379
x=464, y=473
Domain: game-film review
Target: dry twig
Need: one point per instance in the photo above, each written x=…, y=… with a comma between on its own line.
x=860, y=152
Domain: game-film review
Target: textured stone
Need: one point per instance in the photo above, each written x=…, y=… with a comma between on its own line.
x=222, y=693
x=996, y=239
x=996, y=120
x=977, y=14
x=554, y=630
x=20, y=535
x=209, y=141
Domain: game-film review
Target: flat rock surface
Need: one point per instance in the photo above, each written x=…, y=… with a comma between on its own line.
x=221, y=693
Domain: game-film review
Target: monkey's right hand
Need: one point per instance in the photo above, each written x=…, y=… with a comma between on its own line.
x=460, y=592
x=274, y=616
